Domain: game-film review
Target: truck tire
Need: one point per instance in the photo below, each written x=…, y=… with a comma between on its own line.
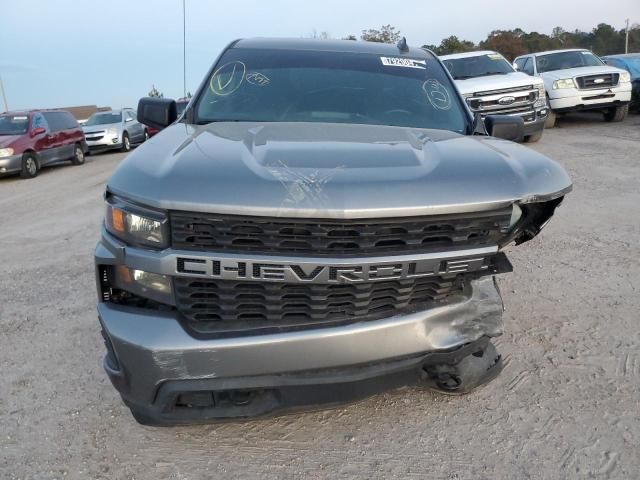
x=29, y=165
x=78, y=155
x=616, y=114
x=534, y=137
x=550, y=121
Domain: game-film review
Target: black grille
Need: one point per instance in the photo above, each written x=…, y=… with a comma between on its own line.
x=212, y=232
x=215, y=306
x=603, y=80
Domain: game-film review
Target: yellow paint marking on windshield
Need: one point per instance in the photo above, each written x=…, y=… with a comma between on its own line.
x=228, y=78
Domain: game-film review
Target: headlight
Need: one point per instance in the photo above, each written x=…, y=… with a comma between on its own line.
x=6, y=152
x=144, y=284
x=136, y=225
x=112, y=131
x=625, y=77
x=564, y=83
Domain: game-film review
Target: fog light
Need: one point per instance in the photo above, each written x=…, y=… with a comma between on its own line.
x=542, y=112
x=145, y=284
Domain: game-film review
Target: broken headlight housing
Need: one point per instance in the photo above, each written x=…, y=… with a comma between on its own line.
x=136, y=225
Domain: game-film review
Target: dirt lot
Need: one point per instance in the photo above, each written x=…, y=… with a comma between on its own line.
x=566, y=406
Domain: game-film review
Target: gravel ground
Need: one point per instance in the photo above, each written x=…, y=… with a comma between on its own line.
x=566, y=406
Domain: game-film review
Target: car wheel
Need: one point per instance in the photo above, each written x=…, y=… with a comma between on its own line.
x=29, y=166
x=126, y=143
x=550, y=121
x=534, y=137
x=78, y=155
x=616, y=114
x=146, y=135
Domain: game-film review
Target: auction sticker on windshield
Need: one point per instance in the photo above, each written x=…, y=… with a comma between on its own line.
x=403, y=62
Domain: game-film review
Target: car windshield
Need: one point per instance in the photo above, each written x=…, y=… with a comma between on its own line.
x=13, y=124
x=335, y=87
x=477, y=66
x=564, y=60
x=104, y=118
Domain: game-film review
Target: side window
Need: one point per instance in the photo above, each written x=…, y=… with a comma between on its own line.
x=38, y=121
x=528, y=66
x=53, y=121
x=70, y=121
x=130, y=115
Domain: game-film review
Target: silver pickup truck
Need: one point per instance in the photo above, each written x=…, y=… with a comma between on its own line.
x=324, y=221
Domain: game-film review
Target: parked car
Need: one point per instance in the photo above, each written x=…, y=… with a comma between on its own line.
x=491, y=86
x=577, y=80
x=631, y=63
x=115, y=129
x=325, y=221
x=33, y=139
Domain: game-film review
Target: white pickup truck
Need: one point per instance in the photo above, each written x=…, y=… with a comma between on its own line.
x=576, y=79
x=490, y=85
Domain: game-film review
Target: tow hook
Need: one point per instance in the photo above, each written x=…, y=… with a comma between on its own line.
x=473, y=371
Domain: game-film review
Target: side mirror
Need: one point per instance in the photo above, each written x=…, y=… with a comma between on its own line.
x=507, y=127
x=157, y=112
x=515, y=67
x=37, y=131
x=127, y=120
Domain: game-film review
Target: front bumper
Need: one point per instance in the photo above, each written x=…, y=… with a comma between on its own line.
x=9, y=165
x=105, y=142
x=152, y=358
x=572, y=99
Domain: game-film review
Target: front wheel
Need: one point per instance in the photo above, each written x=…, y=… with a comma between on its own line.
x=126, y=143
x=550, y=121
x=78, y=155
x=29, y=166
x=534, y=137
x=616, y=114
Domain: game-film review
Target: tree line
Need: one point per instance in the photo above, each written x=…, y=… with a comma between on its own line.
x=601, y=40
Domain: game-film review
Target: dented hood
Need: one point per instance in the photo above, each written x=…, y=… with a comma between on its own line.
x=332, y=171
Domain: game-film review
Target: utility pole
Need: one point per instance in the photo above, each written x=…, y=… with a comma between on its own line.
x=184, y=48
x=4, y=97
x=626, y=38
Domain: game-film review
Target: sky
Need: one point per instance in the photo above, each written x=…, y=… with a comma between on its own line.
x=110, y=52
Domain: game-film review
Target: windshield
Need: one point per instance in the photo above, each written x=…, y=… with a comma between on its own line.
x=477, y=66
x=335, y=87
x=564, y=60
x=104, y=118
x=13, y=124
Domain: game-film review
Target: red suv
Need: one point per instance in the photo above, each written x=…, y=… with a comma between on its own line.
x=30, y=140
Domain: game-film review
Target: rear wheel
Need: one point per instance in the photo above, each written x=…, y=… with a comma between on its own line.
x=126, y=143
x=29, y=165
x=616, y=114
x=534, y=137
x=78, y=155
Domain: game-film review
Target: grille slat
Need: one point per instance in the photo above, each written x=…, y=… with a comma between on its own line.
x=214, y=306
x=232, y=233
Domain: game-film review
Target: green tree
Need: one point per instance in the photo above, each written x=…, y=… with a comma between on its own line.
x=154, y=92
x=386, y=34
x=453, y=45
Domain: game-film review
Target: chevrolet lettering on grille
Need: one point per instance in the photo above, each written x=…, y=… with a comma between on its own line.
x=342, y=272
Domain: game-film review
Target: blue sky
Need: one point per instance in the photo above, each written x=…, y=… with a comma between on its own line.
x=109, y=52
